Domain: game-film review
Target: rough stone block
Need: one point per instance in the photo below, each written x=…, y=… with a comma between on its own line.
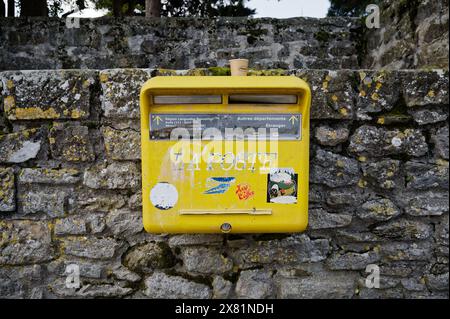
x=25, y=242
x=3, y=122
x=388, y=293
x=432, y=203
x=48, y=202
x=49, y=176
x=441, y=232
x=135, y=201
x=73, y=225
x=124, y=223
x=46, y=94
x=254, y=284
x=195, y=239
x=437, y=282
x=329, y=136
x=346, y=196
x=334, y=170
x=20, y=282
x=94, y=248
x=88, y=268
x=378, y=91
x=149, y=256
x=71, y=143
x=316, y=193
x=421, y=88
x=404, y=229
x=7, y=190
x=122, y=273
x=401, y=269
x=113, y=176
x=377, y=142
x=96, y=223
x=321, y=219
x=440, y=140
x=205, y=260
x=429, y=115
x=222, y=288
x=413, y=284
x=291, y=250
x=352, y=260
x=384, y=174
x=332, y=93
x=322, y=285
x=92, y=201
x=59, y=288
x=424, y=176
x=122, y=144
x=352, y=236
x=21, y=146
x=120, y=91
x=381, y=209
x=159, y=285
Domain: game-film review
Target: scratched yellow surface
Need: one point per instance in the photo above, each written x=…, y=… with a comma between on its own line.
x=197, y=212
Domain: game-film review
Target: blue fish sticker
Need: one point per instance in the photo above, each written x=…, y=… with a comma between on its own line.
x=223, y=179
x=221, y=185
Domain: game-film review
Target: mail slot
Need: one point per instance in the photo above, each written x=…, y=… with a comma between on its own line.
x=225, y=154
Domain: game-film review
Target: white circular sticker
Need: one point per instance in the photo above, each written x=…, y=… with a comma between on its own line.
x=164, y=196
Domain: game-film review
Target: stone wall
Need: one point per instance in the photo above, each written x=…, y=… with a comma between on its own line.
x=413, y=34
x=178, y=43
x=70, y=194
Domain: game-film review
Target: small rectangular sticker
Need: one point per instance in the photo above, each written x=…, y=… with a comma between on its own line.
x=282, y=186
x=229, y=126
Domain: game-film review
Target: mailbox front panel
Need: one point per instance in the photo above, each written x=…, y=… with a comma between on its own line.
x=225, y=154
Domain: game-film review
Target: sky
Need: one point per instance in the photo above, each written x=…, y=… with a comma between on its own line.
x=290, y=8
x=265, y=8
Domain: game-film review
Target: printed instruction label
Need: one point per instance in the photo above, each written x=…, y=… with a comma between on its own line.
x=229, y=126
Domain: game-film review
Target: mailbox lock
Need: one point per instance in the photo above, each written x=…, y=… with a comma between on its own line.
x=225, y=227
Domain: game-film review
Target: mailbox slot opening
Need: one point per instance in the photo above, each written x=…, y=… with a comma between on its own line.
x=225, y=99
x=187, y=99
x=262, y=99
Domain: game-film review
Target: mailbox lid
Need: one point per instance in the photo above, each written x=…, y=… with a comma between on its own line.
x=225, y=83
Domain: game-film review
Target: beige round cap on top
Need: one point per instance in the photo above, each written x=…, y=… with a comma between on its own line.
x=239, y=67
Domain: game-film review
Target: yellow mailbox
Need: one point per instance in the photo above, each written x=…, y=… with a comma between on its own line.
x=225, y=154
